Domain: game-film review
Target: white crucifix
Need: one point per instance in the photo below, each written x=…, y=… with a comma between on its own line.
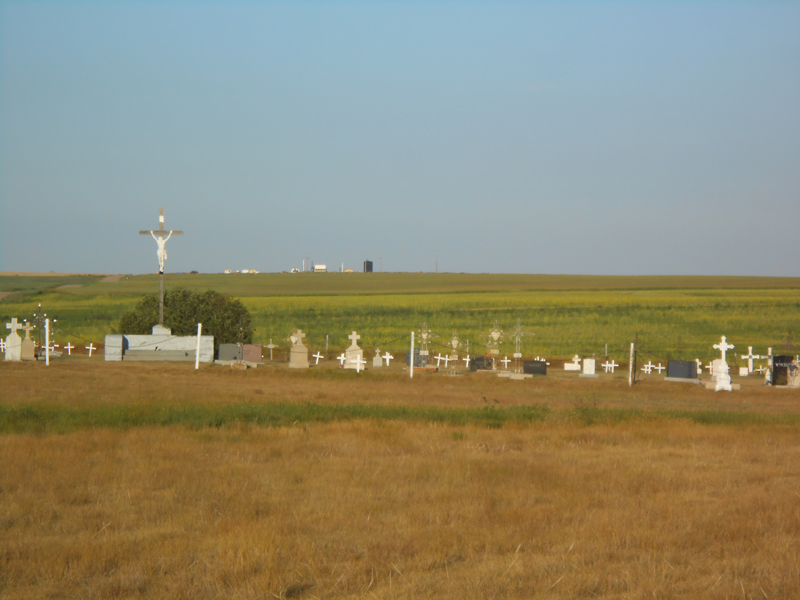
x=505, y=362
x=749, y=358
x=466, y=360
x=341, y=358
x=90, y=347
x=68, y=347
x=387, y=357
x=271, y=346
x=158, y=236
x=659, y=368
x=438, y=358
x=359, y=361
x=723, y=347
x=648, y=368
x=317, y=356
x=609, y=366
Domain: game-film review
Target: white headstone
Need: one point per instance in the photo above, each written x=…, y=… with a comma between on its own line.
x=744, y=371
x=749, y=357
x=575, y=365
x=13, y=349
x=353, y=353
x=588, y=366
x=298, y=353
x=377, y=361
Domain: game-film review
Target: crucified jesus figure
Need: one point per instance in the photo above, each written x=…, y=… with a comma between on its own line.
x=162, y=249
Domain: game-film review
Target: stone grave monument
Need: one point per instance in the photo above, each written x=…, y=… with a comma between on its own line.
x=683, y=371
x=13, y=349
x=575, y=365
x=161, y=345
x=377, y=360
x=720, y=376
x=298, y=355
x=27, y=349
x=589, y=365
x=353, y=354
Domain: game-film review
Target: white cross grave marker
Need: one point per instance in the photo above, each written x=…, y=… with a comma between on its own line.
x=710, y=368
x=387, y=357
x=723, y=347
x=317, y=356
x=438, y=358
x=271, y=346
x=68, y=347
x=359, y=361
x=341, y=358
x=648, y=368
x=609, y=366
x=466, y=360
x=760, y=370
x=446, y=358
x=749, y=358
x=505, y=362
x=2, y=345
x=659, y=368
x=90, y=347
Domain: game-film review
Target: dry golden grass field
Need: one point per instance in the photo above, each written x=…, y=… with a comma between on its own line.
x=147, y=480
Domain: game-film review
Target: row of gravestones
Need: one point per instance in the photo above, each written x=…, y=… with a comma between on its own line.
x=16, y=349
x=351, y=358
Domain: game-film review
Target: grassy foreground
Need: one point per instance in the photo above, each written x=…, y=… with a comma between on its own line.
x=147, y=480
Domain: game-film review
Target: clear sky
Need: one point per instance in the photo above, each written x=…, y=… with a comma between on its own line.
x=520, y=137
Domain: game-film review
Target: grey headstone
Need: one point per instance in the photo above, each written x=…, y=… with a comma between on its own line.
x=230, y=352
x=420, y=360
x=481, y=363
x=682, y=369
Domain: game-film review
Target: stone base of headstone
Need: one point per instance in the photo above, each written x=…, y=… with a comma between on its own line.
x=504, y=373
x=712, y=385
x=683, y=380
x=520, y=376
x=589, y=375
x=572, y=367
x=160, y=347
x=744, y=371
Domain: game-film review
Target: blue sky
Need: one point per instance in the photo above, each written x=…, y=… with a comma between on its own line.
x=524, y=137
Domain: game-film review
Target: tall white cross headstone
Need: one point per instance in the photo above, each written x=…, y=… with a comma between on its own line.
x=13, y=343
x=723, y=347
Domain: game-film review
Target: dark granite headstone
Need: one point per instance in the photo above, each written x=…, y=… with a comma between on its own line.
x=420, y=360
x=682, y=369
x=534, y=367
x=230, y=352
x=780, y=369
x=481, y=363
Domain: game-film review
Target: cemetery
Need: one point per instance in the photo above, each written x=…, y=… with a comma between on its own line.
x=313, y=461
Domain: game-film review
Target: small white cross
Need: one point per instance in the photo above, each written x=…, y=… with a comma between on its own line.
x=90, y=347
x=68, y=347
x=749, y=358
x=2, y=345
x=341, y=358
x=360, y=361
x=576, y=359
x=710, y=368
x=271, y=346
x=723, y=347
x=760, y=370
x=387, y=357
x=659, y=368
x=609, y=366
x=438, y=358
x=355, y=337
x=466, y=360
x=317, y=356
x=648, y=368
x=505, y=362
x=446, y=360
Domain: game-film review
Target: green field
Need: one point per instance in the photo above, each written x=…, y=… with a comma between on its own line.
x=673, y=317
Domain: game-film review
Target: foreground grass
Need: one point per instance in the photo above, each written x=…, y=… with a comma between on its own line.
x=392, y=509
x=48, y=419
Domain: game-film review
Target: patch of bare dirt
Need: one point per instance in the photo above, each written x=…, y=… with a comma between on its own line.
x=5, y=295
x=111, y=278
